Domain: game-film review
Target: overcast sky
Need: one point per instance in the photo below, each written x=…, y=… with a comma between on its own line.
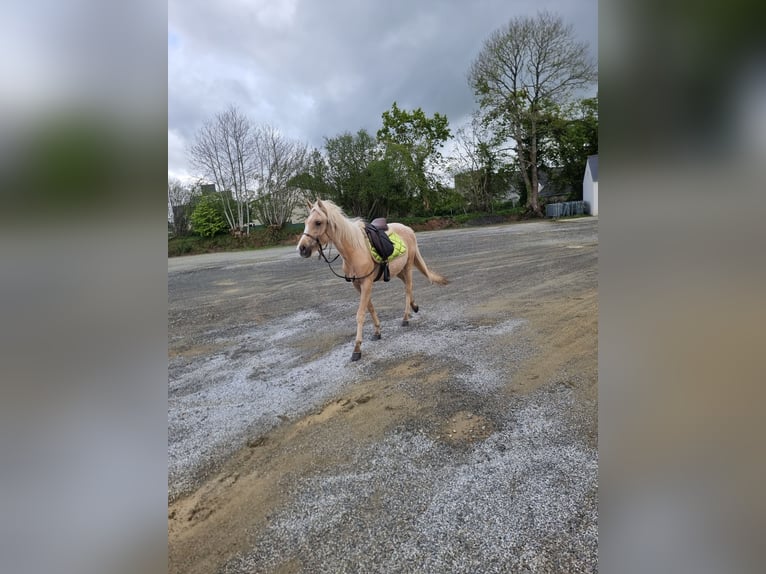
x=318, y=68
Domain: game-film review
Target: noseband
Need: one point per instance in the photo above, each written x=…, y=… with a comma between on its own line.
x=315, y=240
x=319, y=246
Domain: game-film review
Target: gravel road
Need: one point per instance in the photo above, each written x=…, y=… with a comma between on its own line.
x=465, y=442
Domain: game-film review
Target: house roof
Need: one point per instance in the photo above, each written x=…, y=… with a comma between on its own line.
x=593, y=164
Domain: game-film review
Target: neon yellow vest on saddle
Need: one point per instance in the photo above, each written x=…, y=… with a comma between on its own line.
x=399, y=248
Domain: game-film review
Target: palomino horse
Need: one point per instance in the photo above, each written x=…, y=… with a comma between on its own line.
x=326, y=223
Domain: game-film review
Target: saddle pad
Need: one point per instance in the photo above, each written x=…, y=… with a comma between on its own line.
x=399, y=248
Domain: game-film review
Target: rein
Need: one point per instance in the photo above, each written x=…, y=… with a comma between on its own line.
x=329, y=263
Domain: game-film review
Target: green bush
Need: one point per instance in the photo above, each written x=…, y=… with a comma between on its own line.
x=206, y=218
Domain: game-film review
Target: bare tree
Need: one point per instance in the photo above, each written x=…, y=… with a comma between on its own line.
x=224, y=150
x=524, y=70
x=277, y=160
x=179, y=205
x=474, y=163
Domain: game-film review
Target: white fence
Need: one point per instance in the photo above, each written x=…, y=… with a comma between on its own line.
x=566, y=208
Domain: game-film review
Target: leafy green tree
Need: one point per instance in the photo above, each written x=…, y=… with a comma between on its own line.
x=388, y=194
x=412, y=144
x=370, y=178
x=314, y=181
x=348, y=174
x=573, y=137
x=206, y=218
x=524, y=72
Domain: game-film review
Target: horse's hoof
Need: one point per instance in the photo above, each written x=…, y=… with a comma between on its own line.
x=415, y=308
x=405, y=323
x=376, y=337
x=355, y=356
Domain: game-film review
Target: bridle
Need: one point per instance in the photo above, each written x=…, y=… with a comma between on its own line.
x=329, y=263
x=319, y=245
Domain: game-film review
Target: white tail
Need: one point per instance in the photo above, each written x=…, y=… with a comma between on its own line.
x=432, y=276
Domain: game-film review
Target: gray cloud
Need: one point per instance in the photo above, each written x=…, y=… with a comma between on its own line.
x=316, y=69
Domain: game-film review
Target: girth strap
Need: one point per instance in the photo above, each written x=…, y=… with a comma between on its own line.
x=383, y=270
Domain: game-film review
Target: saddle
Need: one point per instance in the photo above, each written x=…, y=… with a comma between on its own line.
x=381, y=243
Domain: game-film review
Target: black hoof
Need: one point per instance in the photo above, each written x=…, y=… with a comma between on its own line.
x=415, y=308
x=405, y=323
x=376, y=337
x=356, y=355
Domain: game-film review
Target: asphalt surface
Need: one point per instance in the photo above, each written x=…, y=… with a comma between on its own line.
x=466, y=442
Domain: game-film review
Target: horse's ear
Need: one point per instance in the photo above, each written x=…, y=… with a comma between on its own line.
x=321, y=206
x=309, y=204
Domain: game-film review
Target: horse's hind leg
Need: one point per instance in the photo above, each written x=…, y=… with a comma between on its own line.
x=406, y=277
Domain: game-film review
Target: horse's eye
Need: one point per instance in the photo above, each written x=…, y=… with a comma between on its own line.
x=317, y=223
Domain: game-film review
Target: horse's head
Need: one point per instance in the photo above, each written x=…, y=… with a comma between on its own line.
x=315, y=230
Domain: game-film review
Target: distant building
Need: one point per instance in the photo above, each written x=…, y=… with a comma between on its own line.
x=590, y=184
x=549, y=186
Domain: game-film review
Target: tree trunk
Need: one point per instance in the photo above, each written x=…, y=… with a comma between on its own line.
x=533, y=202
x=526, y=168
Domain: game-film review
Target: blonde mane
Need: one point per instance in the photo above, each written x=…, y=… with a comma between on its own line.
x=346, y=231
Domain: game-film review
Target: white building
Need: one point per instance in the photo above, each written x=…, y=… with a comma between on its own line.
x=590, y=184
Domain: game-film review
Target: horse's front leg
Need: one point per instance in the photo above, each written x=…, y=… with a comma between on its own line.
x=365, y=296
x=371, y=310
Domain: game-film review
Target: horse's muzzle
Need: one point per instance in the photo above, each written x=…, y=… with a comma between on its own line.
x=305, y=251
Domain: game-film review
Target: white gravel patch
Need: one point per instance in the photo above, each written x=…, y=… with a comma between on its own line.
x=446, y=332
x=217, y=402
